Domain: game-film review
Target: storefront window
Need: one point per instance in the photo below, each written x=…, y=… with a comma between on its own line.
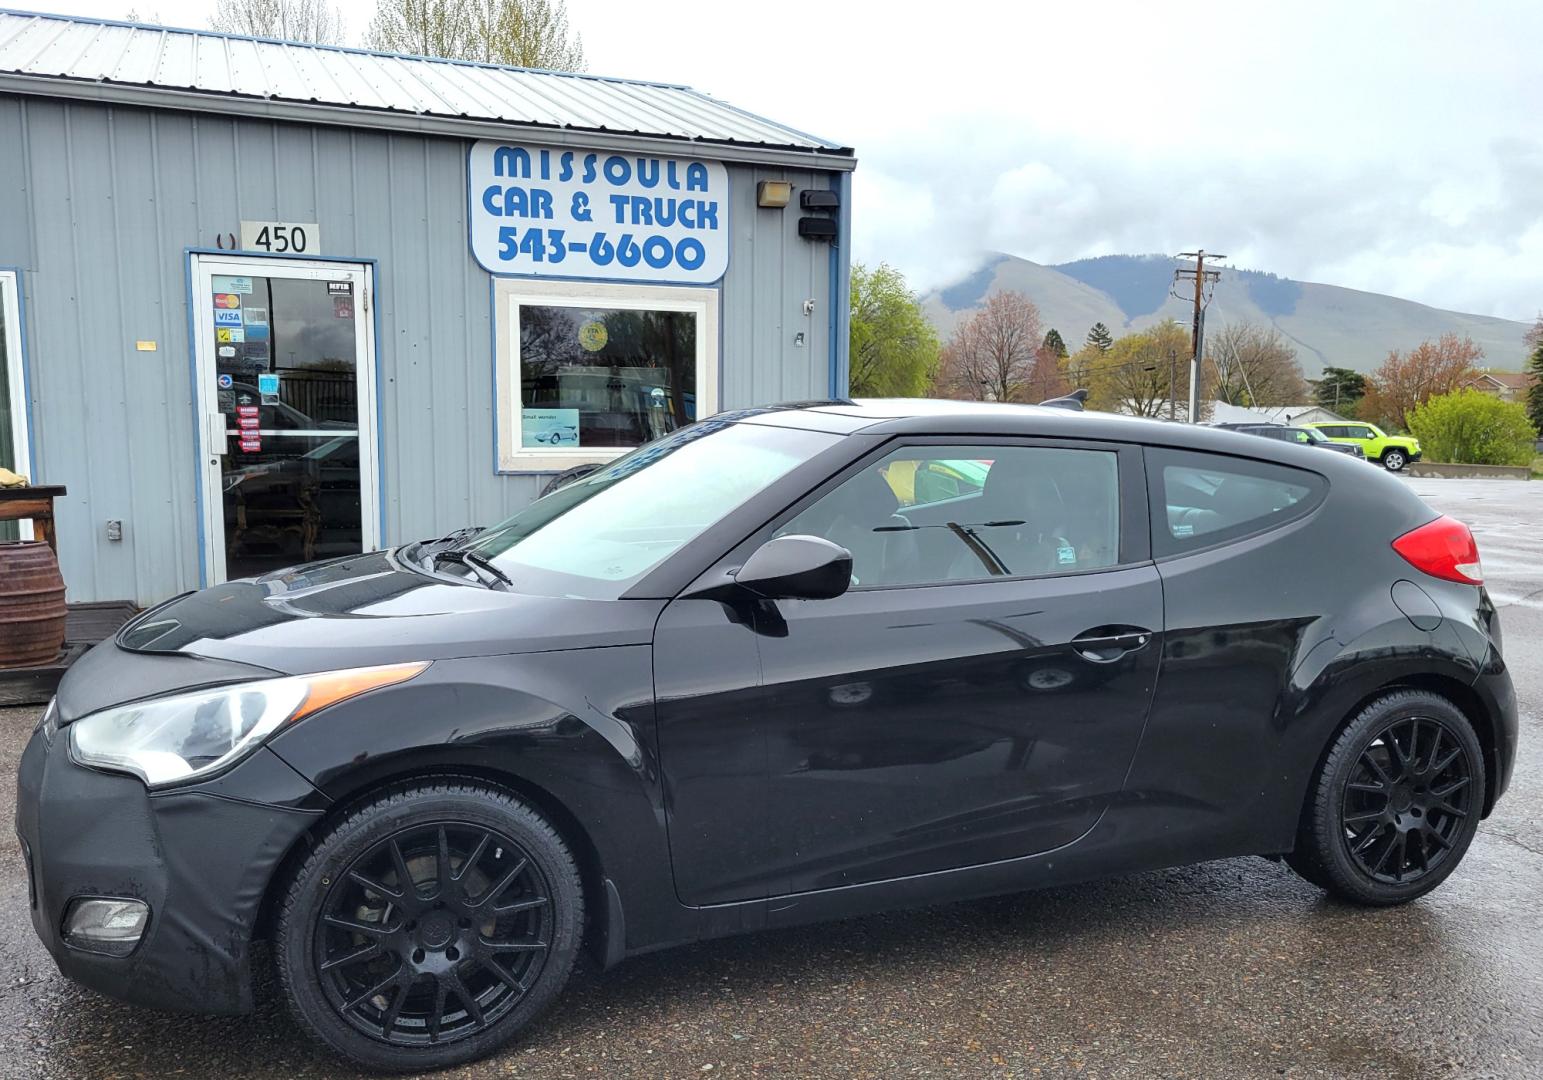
x=588, y=372
x=600, y=377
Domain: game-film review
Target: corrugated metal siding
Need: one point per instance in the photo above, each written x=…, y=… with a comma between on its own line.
x=121, y=54
x=97, y=206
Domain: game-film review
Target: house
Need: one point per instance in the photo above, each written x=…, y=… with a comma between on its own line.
x=1223, y=413
x=1505, y=385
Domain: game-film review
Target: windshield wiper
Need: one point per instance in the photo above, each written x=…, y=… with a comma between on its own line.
x=978, y=547
x=477, y=563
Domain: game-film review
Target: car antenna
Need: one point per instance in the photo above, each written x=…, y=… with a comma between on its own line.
x=1072, y=401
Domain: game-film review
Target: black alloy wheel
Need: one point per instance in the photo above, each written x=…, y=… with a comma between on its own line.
x=1396, y=802
x=429, y=926
x=1411, y=792
x=434, y=933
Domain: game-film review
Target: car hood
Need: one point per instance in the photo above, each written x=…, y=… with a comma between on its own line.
x=363, y=609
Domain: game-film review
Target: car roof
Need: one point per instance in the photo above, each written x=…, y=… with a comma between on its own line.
x=931, y=416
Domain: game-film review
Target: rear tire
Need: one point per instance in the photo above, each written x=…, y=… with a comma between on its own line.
x=1396, y=802
x=429, y=926
x=1394, y=461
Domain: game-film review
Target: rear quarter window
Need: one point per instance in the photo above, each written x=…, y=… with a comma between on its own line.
x=1200, y=500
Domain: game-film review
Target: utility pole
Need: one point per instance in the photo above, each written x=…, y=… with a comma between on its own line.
x=1173, y=380
x=1201, y=276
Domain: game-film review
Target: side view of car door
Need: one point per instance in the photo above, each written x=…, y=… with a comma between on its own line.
x=977, y=695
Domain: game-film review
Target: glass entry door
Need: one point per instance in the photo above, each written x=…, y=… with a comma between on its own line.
x=285, y=359
x=13, y=397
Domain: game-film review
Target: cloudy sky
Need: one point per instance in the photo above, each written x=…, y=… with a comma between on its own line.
x=1390, y=146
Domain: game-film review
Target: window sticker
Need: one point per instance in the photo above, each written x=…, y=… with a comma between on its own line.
x=549, y=427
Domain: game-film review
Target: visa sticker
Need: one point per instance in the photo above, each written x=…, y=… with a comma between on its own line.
x=1066, y=555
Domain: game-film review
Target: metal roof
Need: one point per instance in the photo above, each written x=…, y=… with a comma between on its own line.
x=202, y=70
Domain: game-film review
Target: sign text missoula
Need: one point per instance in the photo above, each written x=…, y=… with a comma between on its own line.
x=547, y=212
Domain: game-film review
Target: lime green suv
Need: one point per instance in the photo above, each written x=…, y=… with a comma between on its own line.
x=1393, y=452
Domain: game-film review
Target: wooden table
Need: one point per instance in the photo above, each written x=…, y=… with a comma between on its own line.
x=36, y=503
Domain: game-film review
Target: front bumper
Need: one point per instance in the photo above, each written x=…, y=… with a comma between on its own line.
x=200, y=857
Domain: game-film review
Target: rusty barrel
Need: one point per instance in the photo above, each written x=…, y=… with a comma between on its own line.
x=31, y=604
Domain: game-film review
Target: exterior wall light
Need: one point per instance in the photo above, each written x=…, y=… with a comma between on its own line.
x=774, y=194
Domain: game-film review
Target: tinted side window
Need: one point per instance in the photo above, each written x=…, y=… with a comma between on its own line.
x=932, y=514
x=1203, y=499
x=1335, y=431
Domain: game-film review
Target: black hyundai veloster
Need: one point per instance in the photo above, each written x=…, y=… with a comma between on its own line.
x=779, y=666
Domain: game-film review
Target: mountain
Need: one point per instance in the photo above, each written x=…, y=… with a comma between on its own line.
x=1328, y=324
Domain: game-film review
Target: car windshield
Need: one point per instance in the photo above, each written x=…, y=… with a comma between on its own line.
x=1314, y=434
x=597, y=536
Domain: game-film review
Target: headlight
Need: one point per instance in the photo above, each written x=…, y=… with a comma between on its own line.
x=171, y=739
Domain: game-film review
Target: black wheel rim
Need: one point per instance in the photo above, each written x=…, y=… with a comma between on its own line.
x=1407, y=800
x=433, y=934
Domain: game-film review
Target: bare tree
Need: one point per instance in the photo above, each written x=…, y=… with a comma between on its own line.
x=1406, y=380
x=290, y=20
x=1255, y=366
x=991, y=354
x=1534, y=337
x=524, y=33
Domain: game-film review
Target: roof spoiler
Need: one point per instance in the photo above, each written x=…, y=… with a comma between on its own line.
x=1072, y=401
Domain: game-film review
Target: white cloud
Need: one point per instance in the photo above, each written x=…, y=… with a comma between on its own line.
x=1390, y=145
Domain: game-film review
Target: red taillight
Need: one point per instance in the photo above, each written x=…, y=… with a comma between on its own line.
x=1445, y=549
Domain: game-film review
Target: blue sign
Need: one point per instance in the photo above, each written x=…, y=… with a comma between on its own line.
x=227, y=317
x=546, y=212
x=225, y=381
x=267, y=383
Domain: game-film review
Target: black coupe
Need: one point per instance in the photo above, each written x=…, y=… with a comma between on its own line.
x=782, y=665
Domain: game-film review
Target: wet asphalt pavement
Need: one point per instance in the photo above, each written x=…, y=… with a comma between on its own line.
x=1230, y=969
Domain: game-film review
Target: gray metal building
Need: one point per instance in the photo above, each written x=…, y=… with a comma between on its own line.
x=262, y=302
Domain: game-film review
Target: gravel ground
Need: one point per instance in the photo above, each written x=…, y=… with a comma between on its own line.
x=1231, y=969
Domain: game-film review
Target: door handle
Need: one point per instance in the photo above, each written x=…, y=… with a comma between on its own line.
x=1102, y=648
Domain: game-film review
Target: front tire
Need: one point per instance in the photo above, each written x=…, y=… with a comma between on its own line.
x=1394, y=460
x=1396, y=802
x=429, y=926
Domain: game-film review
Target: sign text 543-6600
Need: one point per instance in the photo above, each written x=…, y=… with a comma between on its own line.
x=574, y=214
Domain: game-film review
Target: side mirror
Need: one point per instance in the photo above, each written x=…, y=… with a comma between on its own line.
x=797, y=568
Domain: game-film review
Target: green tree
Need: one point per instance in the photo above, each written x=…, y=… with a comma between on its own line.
x=1132, y=377
x=1100, y=337
x=1469, y=427
x=1055, y=345
x=1339, y=389
x=1535, y=390
x=524, y=33
x=894, y=347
